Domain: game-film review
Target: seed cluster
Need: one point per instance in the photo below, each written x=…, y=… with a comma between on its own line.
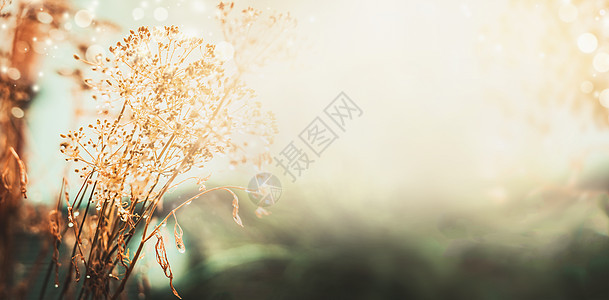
x=256, y=37
x=178, y=109
x=168, y=103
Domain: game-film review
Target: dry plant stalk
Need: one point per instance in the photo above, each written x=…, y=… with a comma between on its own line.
x=169, y=103
x=25, y=26
x=14, y=95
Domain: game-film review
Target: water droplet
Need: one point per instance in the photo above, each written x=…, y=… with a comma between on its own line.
x=56, y=285
x=70, y=224
x=188, y=203
x=44, y=17
x=181, y=249
x=17, y=112
x=95, y=53
x=88, y=276
x=13, y=73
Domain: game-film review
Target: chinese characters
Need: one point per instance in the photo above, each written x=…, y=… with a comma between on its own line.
x=317, y=136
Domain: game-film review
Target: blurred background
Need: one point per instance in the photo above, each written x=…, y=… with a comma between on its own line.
x=476, y=170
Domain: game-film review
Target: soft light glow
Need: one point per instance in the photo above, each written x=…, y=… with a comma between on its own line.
x=83, y=18
x=604, y=98
x=138, y=13
x=601, y=62
x=198, y=6
x=224, y=51
x=587, y=42
x=586, y=87
x=567, y=13
x=160, y=14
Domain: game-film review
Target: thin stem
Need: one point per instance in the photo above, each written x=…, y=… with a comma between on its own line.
x=172, y=212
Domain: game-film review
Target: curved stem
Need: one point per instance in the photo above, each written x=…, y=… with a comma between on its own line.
x=172, y=212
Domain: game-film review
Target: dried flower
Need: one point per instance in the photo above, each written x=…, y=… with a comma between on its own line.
x=168, y=103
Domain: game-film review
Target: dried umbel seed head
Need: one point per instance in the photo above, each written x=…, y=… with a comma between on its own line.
x=256, y=38
x=175, y=107
x=167, y=102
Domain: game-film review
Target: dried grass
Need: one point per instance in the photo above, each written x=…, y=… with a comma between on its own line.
x=168, y=104
x=20, y=63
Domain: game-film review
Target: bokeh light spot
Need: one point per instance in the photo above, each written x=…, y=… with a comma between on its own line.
x=587, y=87
x=601, y=62
x=137, y=13
x=604, y=98
x=83, y=18
x=587, y=42
x=160, y=14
